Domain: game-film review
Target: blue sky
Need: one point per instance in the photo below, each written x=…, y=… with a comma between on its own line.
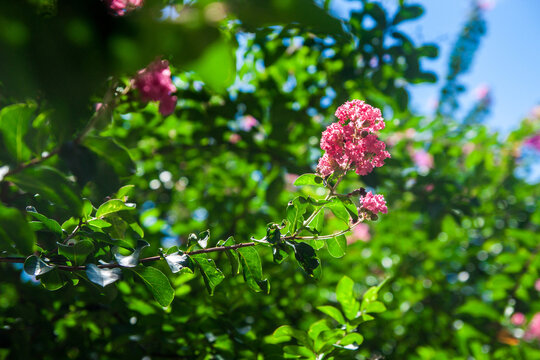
x=508, y=60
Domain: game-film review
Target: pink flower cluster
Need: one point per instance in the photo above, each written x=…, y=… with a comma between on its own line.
x=533, y=331
x=374, y=203
x=120, y=7
x=351, y=143
x=533, y=142
x=154, y=84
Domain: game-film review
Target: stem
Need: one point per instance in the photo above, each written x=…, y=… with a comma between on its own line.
x=21, y=260
x=32, y=162
x=331, y=193
x=323, y=237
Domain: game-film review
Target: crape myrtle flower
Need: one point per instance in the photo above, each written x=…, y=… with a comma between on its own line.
x=154, y=84
x=352, y=143
x=120, y=7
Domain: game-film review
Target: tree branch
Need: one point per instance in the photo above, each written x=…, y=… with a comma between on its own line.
x=21, y=260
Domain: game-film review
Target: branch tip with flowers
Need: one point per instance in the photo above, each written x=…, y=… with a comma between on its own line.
x=351, y=144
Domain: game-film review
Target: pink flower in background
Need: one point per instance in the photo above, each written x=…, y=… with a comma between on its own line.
x=423, y=160
x=234, y=138
x=517, y=319
x=360, y=232
x=374, y=203
x=120, y=7
x=533, y=331
x=351, y=143
x=247, y=122
x=468, y=148
x=154, y=84
x=291, y=178
x=429, y=187
x=533, y=142
x=537, y=285
x=486, y=4
x=535, y=112
x=482, y=91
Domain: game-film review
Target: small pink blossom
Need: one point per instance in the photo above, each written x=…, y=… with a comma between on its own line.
x=423, y=160
x=533, y=331
x=533, y=142
x=154, y=84
x=360, y=232
x=120, y=7
x=234, y=138
x=429, y=187
x=247, y=122
x=535, y=112
x=537, y=285
x=374, y=203
x=482, y=92
x=351, y=143
x=517, y=319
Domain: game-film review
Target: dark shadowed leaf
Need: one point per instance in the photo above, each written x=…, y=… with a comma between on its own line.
x=252, y=269
x=15, y=232
x=78, y=252
x=51, y=184
x=211, y=274
x=157, y=283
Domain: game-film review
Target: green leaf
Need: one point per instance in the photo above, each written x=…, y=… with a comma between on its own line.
x=295, y=211
x=337, y=246
x=252, y=269
x=51, y=184
x=116, y=155
x=318, y=221
x=345, y=296
x=339, y=210
x=53, y=280
x=375, y=307
x=15, y=232
x=180, y=262
x=350, y=207
x=105, y=238
x=306, y=257
x=479, y=309
x=298, y=351
x=231, y=255
x=129, y=260
x=113, y=206
x=102, y=277
x=333, y=312
x=87, y=209
x=34, y=266
x=157, y=283
x=14, y=124
x=309, y=179
x=211, y=274
x=287, y=331
x=124, y=192
x=351, y=339
x=98, y=223
x=408, y=12
x=78, y=252
x=216, y=66
x=50, y=224
x=317, y=327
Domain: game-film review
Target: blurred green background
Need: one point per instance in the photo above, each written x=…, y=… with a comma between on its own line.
x=459, y=243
